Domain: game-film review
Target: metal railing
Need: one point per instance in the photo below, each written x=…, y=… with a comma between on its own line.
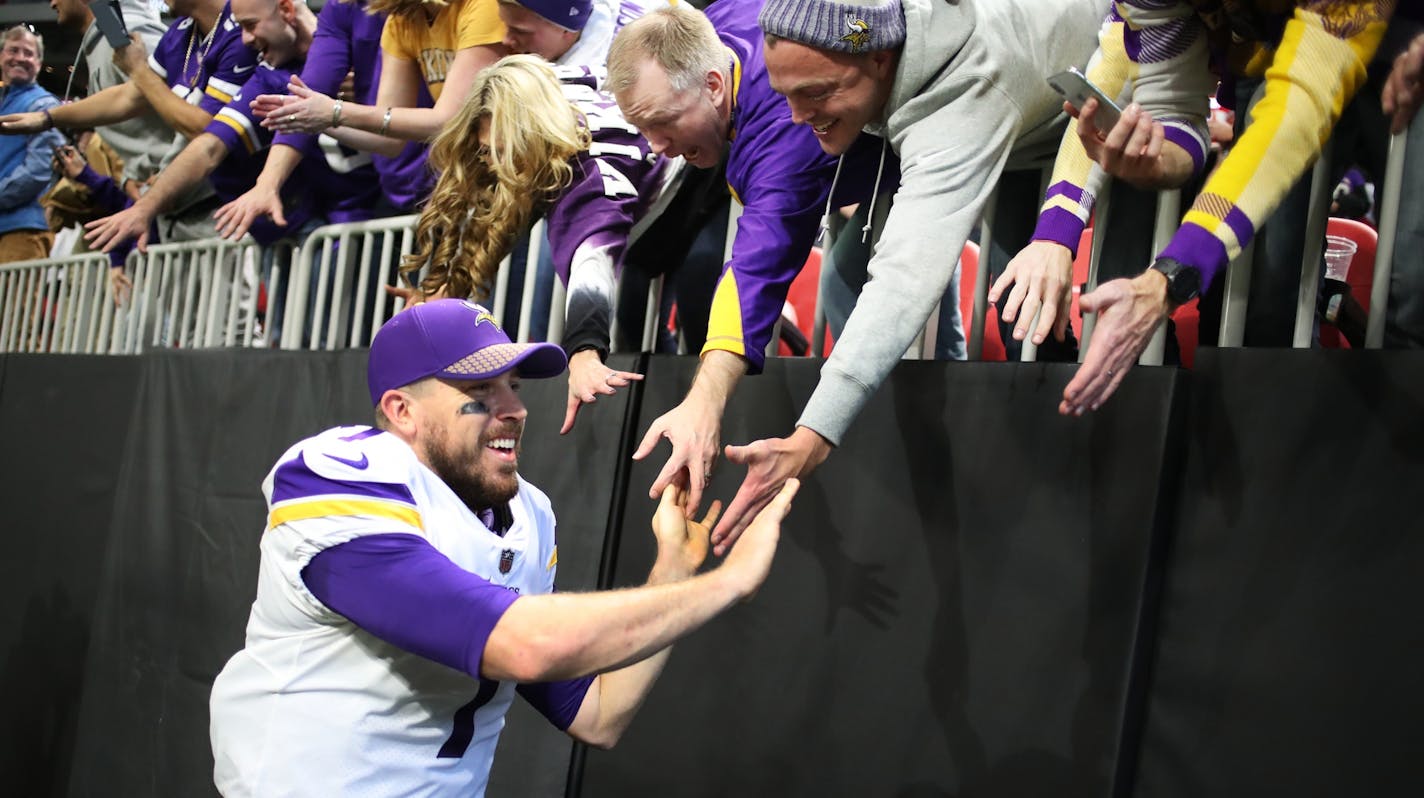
x=191, y=294
x=55, y=305
x=329, y=292
x=1238, y=274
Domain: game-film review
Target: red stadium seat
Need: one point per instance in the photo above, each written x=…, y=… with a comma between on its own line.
x=800, y=307
x=968, y=273
x=1362, y=271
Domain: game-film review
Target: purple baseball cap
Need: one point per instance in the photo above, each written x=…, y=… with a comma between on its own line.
x=451, y=338
x=567, y=14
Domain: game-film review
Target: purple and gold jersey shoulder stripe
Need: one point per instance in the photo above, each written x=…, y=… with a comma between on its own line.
x=300, y=493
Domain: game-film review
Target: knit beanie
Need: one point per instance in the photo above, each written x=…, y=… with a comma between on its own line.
x=567, y=14
x=847, y=26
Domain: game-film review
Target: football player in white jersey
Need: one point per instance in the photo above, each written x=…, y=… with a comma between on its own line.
x=405, y=591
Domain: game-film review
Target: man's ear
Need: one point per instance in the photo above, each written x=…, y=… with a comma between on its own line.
x=883, y=63
x=287, y=10
x=716, y=86
x=398, y=407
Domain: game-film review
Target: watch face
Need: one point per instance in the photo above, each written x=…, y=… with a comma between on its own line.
x=1183, y=284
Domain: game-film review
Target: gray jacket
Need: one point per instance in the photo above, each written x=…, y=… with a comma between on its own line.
x=969, y=98
x=144, y=140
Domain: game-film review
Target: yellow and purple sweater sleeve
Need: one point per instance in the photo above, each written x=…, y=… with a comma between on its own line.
x=1150, y=52
x=1317, y=67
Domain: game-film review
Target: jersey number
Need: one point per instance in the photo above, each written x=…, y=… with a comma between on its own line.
x=464, y=726
x=615, y=183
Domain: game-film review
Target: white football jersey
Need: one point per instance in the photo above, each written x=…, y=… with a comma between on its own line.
x=314, y=705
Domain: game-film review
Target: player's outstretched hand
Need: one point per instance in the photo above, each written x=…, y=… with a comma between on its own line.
x=682, y=542
x=770, y=464
x=751, y=557
x=109, y=232
x=234, y=218
x=1042, y=277
x=692, y=428
x=1129, y=311
x=588, y=378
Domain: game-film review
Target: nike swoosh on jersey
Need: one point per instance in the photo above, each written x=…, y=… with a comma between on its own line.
x=359, y=465
x=237, y=70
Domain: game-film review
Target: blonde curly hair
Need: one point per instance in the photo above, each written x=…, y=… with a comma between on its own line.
x=486, y=196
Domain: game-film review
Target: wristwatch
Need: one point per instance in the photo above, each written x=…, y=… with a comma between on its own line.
x=1183, y=281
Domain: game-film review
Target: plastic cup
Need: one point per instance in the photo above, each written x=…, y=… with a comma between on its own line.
x=1339, y=251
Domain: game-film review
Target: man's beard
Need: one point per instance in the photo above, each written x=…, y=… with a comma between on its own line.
x=475, y=487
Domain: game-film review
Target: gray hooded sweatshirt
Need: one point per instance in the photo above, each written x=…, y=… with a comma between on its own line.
x=970, y=98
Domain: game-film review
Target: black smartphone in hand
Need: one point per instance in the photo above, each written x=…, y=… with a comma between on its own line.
x=110, y=20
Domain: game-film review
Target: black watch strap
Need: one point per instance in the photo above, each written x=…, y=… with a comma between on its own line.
x=1183, y=280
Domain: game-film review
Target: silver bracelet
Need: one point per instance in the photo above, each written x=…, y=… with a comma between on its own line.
x=386, y=121
x=336, y=114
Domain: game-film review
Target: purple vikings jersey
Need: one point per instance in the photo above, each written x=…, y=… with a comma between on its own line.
x=782, y=178
x=329, y=180
x=348, y=39
x=616, y=187
x=204, y=71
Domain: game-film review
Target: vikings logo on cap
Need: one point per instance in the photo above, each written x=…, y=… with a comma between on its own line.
x=859, y=36
x=482, y=313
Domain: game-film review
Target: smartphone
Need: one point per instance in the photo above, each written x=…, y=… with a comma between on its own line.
x=1076, y=89
x=111, y=22
x=56, y=163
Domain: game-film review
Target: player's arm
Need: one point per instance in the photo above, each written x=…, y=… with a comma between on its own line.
x=193, y=164
x=613, y=697
x=114, y=104
x=400, y=589
x=183, y=117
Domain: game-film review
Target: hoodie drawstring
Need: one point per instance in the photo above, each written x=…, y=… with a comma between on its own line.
x=879, y=171
x=826, y=217
x=830, y=198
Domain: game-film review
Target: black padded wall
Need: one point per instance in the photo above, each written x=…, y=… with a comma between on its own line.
x=966, y=600
x=1290, y=643
x=953, y=609
x=180, y=563
x=63, y=422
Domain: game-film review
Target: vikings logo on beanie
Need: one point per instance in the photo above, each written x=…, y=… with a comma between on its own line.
x=847, y=26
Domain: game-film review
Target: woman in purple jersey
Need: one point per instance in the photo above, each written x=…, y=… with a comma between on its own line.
x=527, y=143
